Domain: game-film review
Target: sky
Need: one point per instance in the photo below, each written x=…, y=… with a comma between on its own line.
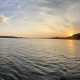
x=39, y=18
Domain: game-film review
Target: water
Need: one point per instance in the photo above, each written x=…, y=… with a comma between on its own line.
x=39, y=59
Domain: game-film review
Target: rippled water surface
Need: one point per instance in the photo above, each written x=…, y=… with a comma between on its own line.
x=39, y=59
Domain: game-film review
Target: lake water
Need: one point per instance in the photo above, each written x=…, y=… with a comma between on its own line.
x=39, y=59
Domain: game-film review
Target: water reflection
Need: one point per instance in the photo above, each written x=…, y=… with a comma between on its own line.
x=25, y=59
x=72, y=61
x=71, y=46
x=71, y=49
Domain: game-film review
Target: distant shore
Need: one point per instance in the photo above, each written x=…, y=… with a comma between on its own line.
x=73, y=37
x=9, y=37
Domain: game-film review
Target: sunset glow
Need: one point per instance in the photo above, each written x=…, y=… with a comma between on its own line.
x=39, y=18
x=70, y=34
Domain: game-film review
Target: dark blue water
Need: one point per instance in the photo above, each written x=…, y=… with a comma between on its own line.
x=39, y=59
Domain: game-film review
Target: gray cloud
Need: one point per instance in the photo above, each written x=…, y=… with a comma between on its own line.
x=65, y=13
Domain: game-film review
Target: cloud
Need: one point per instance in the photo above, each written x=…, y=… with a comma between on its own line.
x=64, y=14
x=3, y=19
x=55, y=15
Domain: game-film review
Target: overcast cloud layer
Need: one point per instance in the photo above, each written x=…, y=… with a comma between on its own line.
x=43, y=15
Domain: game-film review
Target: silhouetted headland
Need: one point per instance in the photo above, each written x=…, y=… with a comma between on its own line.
x=74, y=36
x=11, y=37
